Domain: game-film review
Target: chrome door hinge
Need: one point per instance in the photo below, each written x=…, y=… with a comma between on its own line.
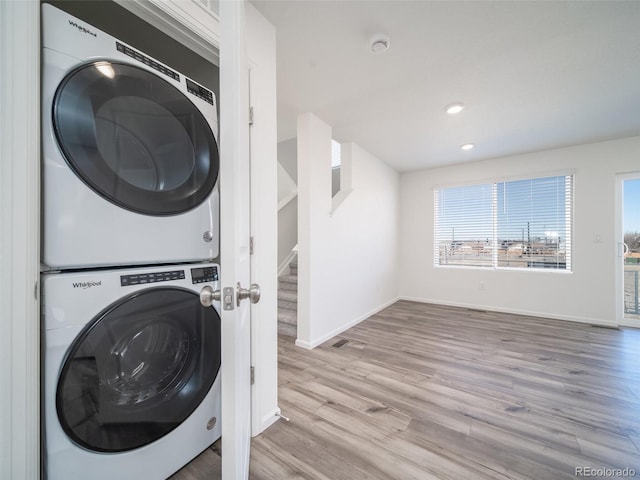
x=250, y=116
x=253, y=375
x=250, y=245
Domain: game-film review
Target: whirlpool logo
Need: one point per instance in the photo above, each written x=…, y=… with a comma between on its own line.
x=82, y=29
x=85, y=285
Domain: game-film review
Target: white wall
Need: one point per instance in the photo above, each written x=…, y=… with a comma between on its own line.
x=586, y=295
x=287, y=203
x=288, y=157
x=347, y=259
x=287, y=232
x=335, y=181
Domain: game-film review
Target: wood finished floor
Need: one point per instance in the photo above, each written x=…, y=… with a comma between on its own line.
x=432, y=392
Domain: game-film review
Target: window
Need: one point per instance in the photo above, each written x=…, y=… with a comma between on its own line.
x=336, y=163
x=515, y=224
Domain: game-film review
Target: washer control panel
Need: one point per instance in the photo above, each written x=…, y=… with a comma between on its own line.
x=204, y=274
x=153, y=277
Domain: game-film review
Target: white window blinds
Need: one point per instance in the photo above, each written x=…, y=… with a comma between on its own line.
x=515, y=224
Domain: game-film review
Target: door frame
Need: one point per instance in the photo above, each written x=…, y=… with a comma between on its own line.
x=20, y=240
x=235, y=232
x=618, y=249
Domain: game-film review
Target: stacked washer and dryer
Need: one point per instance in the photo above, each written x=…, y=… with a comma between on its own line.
x=131, y=358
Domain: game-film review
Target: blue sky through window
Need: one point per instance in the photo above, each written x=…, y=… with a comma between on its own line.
x=466, y=213
x=632, y=205
x=525, y=210
x=532, y=209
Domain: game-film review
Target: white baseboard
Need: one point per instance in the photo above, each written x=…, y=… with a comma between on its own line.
x=318, y=341
x=305, y=345
x=515, y=311
x=569, y=318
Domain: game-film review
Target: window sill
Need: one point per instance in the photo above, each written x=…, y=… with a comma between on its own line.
x=554, y=271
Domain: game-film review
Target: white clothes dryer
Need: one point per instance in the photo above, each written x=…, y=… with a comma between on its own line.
x=130, y=154
x=131, y=360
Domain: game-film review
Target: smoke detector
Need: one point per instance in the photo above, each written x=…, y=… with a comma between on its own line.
x=380, y=43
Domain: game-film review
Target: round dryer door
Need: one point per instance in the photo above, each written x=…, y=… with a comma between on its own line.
x=138, y=370
x=135, y=139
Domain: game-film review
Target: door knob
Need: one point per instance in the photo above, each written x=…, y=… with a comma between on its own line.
x=253, y=293
x=208, y=295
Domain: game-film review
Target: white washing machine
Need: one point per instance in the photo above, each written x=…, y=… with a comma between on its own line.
x=130, y=154
x=131, y=371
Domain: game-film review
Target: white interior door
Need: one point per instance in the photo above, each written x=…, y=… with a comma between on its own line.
x=234, y=241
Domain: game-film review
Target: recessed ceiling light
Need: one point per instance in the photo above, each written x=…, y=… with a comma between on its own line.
x=467, y=146
x=454, y=108
x=380, y=43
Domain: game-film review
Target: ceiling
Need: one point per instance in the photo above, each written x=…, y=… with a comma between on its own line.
x=532, y=75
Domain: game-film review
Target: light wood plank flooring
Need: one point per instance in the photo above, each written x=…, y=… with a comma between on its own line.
x=432, y=392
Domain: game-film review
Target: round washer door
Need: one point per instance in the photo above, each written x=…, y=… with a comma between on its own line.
x=138, y=370
x=135, y=139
